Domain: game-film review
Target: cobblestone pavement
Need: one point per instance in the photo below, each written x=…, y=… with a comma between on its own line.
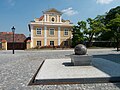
x=17, y=70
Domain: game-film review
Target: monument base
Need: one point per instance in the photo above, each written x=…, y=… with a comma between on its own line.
x=81, y=60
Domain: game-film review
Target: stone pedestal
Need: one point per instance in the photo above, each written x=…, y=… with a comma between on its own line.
x=81, y=60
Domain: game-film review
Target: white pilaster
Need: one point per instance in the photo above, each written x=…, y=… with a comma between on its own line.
x=45, y=17
x=31, y=36
x=60, y=18
x=45, y=35
x=58, y=36
x=6, y=46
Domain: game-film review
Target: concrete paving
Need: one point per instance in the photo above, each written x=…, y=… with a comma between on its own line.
x=17, y=70
x=53, y=69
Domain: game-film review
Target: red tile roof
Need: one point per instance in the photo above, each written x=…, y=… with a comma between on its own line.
x=28, y=40
x=3, y=41
x=8, y=36
x=41, y=18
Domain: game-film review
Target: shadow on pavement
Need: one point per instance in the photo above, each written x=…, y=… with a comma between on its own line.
x=114, y=69
x=111, y=57
x=68, y=64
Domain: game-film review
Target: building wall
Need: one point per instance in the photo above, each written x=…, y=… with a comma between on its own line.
x=38, y=39
x=34, y=31
x=50, y=19
x=28, y=46
x=51, y=37
x=4, y=45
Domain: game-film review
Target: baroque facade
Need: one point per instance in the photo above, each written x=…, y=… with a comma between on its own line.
x=50, y=30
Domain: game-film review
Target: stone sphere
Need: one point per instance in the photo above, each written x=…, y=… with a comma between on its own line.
x=80, y=49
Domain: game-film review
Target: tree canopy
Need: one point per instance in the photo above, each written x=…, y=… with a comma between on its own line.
x=77, y=33
x=86, y=30
x=102, y=27
x=112, y=22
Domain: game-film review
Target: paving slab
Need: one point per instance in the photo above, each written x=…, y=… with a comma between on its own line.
x=61, y=70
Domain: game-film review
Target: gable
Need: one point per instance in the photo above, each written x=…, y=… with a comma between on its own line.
x=53, y=10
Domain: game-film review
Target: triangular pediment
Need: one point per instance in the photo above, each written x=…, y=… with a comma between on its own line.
x=52, y=10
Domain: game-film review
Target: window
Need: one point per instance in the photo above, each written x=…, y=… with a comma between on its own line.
x=38, y=31
x=51, y=43
x=53, y=19
x=38, y=43
x=51, y=31
x=65, y=43
x=66, y=32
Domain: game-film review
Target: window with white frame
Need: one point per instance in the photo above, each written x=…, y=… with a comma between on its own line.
x=38, y=43
x=38, y=31
x=51, y=31
x=51, y=43
x=65, y=31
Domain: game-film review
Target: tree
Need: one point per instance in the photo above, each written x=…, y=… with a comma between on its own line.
x=109, y=35
x=96, y=26
x=83, y=32
x=114, y=24
x=77, y=33
x=112, y=14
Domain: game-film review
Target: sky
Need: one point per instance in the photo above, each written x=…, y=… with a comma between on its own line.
x=19, y=13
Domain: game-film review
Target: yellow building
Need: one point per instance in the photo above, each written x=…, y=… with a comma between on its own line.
x=50, y=30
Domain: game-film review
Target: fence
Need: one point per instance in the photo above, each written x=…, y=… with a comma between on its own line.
x=103, y=44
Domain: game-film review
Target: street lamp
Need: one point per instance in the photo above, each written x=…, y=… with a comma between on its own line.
x=13, y=30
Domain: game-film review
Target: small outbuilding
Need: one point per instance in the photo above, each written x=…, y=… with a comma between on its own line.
x=6, y=41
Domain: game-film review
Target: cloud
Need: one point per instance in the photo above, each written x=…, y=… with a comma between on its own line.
x=104, y=1
x=69, y=11
x=11, y=2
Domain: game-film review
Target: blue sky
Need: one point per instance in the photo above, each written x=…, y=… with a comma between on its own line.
x=20, y=12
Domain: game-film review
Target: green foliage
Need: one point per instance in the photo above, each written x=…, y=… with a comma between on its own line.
x=103, y=27
x=96, y=26
x=77, y=33
x=82, y=32
x=112, y=14
x=112, y=22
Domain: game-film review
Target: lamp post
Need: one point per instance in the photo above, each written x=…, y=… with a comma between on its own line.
x=13, y=31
